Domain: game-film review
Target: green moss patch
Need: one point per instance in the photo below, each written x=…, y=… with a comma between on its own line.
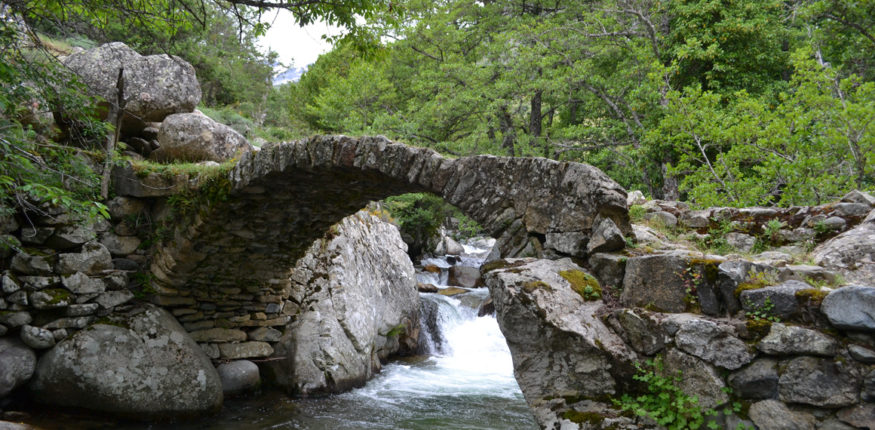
x=744, y=286
x=759, y=327
x=499, y=264
x=811, y=297
x=534, y=285
x=583, y=283
x=583, y=417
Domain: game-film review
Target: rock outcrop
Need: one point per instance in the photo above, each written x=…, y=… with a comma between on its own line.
x=355, y=303
x=572, y=350
x=851, y=253
x=139, y=365
x=155, y=85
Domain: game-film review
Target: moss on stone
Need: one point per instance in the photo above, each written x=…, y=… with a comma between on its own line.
x=811, y=296
x=583, y=283
x=58, y=295
x=709, y=268
x=499, y=264
x=583, y=417
x=744, y=286
x=759, y=327
x=111, y=321
x=534, y=285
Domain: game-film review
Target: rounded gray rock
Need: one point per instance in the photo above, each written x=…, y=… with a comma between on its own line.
x=851, y=308
x=196, y=137
x=239, y=377
x=37, y=338
x=144, y=367
x=17, y=363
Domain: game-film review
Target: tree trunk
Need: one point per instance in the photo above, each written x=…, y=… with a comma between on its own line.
x=116, y=113
x=508, y=137
x=669, y=184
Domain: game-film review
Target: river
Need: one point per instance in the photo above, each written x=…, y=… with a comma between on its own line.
x=465, y=381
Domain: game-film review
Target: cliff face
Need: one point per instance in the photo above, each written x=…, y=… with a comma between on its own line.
x=356, y=304
x=793, y=343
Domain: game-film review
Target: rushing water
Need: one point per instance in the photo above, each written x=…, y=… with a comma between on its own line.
x=466, y=382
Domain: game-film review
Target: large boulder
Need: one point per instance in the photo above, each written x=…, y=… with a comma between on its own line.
x=358, y=305
x=155, y=85
x=559, y=346
x=17, y=363
x=851, y=253
x=196, y=137
x=143, y=366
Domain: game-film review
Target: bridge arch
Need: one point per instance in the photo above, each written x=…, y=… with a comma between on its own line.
x=235, y=256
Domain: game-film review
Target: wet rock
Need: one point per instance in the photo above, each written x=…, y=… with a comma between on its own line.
x=195, y=137
x=426, y=288
x=778, y=300
x=774, y=415
x=487, y=308
x=8, y=284
x=145, y=367
x=851, y=308
x=37, y=338
x=817, y=382
x=239, y=377
x=17, y=363
x=465, y=276
x=713, y=343
x=759, y=380
x=451, y=291
x=791, y=340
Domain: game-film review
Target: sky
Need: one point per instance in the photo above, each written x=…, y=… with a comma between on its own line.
x=297, y=46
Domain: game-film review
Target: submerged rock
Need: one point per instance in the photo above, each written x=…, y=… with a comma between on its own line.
x=143, y=366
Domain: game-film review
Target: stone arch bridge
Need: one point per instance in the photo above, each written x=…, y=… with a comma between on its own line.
x=233, y=258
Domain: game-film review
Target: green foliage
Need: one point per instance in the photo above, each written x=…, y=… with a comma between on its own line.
x=36, y=172
x=636, y=213
x=764, y=312
x=419, y=215
x=665, y=402
x=583, y=283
